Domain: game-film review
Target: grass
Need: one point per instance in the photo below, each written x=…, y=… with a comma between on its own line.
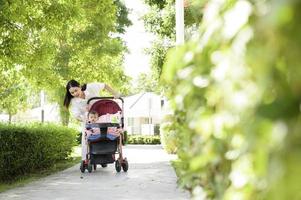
x=74, y=158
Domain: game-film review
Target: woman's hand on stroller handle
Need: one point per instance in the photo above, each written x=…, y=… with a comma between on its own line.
x=88, y=107
x=117, y=95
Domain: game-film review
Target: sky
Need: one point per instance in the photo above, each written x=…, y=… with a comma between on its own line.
x=137, y=39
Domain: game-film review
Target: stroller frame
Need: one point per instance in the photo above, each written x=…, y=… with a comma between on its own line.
x=103, y=150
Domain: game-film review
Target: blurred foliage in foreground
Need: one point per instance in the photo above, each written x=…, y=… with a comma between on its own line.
x=236, y=93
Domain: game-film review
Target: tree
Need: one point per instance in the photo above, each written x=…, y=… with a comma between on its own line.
x=160, y=21
x=122, y=16
x=55, y=41
x=146, y=83
x=13, y=93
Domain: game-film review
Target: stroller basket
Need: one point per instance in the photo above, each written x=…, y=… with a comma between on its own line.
x=103, y=146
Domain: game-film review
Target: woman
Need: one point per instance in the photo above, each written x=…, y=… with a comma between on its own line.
x=76, y=98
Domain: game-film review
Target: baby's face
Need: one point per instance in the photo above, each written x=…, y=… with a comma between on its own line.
x=93, y=118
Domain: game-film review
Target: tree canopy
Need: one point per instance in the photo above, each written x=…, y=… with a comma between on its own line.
x=160, y=20
x=48, y=43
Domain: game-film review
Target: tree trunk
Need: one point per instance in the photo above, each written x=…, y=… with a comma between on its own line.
x=64, y=113
x=9, y=117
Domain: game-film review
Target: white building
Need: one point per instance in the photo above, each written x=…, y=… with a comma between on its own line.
x=142, y=113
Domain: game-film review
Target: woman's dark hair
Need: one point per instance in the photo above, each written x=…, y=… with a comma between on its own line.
x=68, y=96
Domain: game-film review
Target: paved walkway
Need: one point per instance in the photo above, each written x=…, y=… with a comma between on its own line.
x=150, y=176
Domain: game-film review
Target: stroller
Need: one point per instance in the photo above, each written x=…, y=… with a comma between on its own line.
x=102, y=149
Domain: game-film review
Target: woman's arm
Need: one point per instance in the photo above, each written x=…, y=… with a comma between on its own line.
x=76, y=112
x=112, y=91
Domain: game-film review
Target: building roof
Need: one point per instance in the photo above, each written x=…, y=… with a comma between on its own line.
x=145, y=104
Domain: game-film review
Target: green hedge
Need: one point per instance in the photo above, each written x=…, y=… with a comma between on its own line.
x=27, y=148
x=142, y=139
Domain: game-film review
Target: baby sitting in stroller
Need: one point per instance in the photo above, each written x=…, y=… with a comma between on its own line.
x=93, y=132
x=90, y=130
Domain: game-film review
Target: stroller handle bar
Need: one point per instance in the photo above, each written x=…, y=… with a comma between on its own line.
x=93, y=98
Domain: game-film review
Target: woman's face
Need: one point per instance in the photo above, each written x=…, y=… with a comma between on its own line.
x=75, y=91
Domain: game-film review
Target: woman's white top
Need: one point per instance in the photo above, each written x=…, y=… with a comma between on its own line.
x=78, y=105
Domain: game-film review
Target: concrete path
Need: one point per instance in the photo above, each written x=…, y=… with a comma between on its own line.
x=150, y=176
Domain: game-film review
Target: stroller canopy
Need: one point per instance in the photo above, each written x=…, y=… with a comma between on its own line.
x=103, y=107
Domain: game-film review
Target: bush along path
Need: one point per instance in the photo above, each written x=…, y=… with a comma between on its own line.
x=32, y=148
x=150, y=176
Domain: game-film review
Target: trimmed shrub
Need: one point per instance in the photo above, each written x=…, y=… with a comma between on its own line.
x=125, y=138
x=24, y=149
x=143, y=139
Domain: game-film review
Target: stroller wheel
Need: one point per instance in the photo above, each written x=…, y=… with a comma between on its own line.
x=89, y=167
x=82, y=166
x=117, y=166
x=125, y=165
x=95, y=166
x=104, y=165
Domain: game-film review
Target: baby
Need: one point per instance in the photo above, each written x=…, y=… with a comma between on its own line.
x=90, y=130
x=92, y=117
